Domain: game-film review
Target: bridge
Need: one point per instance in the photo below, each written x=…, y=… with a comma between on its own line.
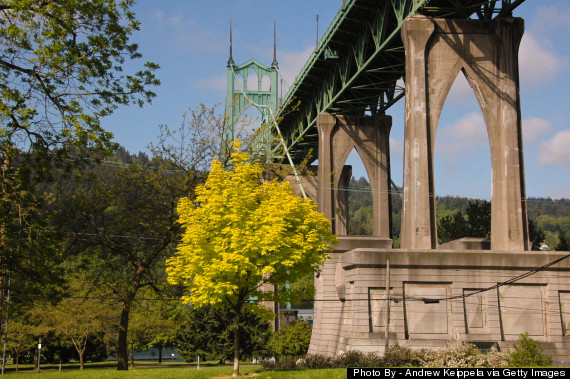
x=433, y=295
x=356, y=67
x=339, y=101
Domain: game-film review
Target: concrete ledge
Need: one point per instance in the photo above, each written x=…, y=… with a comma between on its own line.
x=451, y=259
x=467, y=243
x=346, y=243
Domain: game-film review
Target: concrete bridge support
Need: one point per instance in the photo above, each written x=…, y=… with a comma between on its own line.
x=487, y=54
x=338, y=135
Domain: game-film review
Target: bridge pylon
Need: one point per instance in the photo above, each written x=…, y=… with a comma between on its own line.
x=240, y=95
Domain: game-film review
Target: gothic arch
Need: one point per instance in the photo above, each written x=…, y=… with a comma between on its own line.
x=487, y=53
x=338, y=135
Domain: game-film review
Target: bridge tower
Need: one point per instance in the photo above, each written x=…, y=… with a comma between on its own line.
x=240, y=96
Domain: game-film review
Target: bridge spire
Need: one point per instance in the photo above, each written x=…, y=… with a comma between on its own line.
x=274, y=63
x=231, y=60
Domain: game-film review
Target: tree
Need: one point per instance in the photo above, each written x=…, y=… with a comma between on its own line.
x=528, y=352
x=535, y=235
x=563, y=243
x=292, y=341
x=475, y=223
x=152, y=323
x=77, y=320
x=204, y=331
x=123, y=216
x=61, y=70
x=124, y=222
x=21, y=338
x=240, y=234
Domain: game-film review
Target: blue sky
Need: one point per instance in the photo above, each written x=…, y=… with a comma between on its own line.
x=189, y=40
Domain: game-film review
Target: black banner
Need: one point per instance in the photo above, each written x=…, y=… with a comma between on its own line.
x=457, y=373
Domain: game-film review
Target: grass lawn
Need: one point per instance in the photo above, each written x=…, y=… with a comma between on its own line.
x=153, y=370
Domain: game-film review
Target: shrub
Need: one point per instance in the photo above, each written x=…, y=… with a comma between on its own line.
x=319, y=361
x=465, y=355
x=271, y=364
x=291, y=341
x=498, y=359
x=372, y=360
x=403, y=356
x=528, y=353
x=351, y=358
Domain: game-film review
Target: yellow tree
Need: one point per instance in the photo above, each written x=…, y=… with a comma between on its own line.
x=241, y=233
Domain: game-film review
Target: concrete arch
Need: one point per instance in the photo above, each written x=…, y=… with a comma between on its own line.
x=338, y=135
x=487, y=53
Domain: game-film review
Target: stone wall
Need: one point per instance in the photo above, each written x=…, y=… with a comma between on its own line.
x=473, y=306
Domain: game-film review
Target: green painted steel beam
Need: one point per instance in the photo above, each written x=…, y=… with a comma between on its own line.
x=368, y=61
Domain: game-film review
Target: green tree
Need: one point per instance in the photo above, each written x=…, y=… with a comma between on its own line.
x=476, y=222
x=563, y=243
x=528, y=352
x=21, y=337
x=76, y=320
x=204, y=331
x=241, y=234
x=123, y=216
x=61, y=70
x=291, y=341
x=78, y=317
x=152, y=323
x=535, y=235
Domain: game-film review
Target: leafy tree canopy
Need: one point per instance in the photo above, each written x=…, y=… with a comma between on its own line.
x=61, y=69
x=291, y=341
x=204, y=331
x=241, y=233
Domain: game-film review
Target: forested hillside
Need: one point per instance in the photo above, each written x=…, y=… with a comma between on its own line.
x=552, y=216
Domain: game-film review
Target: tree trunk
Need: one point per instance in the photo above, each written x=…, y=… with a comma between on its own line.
x=236, y=345
x=160, y=353
x=80, y=361
x=122, y=353
x=132, y=350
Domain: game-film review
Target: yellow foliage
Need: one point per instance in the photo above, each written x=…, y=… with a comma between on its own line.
x=240, y=233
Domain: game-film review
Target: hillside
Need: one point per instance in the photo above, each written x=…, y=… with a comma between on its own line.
x=550, y=215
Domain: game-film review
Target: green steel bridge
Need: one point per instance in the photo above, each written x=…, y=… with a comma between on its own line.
x=356, y=65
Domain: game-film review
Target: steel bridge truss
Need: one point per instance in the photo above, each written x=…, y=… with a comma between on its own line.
x=358, y=65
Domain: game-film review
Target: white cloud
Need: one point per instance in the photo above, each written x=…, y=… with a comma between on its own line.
x=160, y=17
x=212, y=84
x=458, y=142
x=460, y=90
x=534, y=128
x=551, y=19
x=187, y=34
x=465, y=134
x=396, y=146
x=556, y=151
x=291, y=63
x=537, y=65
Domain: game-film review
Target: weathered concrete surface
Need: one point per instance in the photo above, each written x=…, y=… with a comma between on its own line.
x=478, y=302
x=467, y=243
x=487, y=54
x=369, y=135
x=350, y=300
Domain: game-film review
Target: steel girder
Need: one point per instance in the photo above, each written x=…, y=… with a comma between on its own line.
x=358, y=63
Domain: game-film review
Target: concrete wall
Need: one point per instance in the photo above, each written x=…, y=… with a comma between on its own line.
x=350, y=302
x=486, y=52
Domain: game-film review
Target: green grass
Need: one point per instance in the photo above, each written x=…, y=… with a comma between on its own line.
x=150, y=370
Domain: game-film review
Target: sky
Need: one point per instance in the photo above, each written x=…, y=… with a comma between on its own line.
x=190, y=41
